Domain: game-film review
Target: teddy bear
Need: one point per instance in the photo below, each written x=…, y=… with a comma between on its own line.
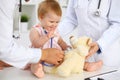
x=74, y=58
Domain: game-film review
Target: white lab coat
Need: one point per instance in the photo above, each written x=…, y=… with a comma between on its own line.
x=104, y=29
x=10, y=52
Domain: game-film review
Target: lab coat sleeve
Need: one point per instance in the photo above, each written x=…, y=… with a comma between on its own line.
x=10, y=52
x=113, y=32
x=19, y=56
x=69, y=22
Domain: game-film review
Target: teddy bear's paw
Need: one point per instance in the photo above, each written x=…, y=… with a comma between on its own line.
x=63, y=73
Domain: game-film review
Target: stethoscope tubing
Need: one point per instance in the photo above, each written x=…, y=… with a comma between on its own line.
x=51, y=39
x=97, y=12
x=99, y=4
x=20, y=11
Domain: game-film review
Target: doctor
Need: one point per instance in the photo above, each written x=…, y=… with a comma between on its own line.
x=14, y=54
x=100, y=20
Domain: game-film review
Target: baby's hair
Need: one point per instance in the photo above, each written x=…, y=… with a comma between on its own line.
x=49, y=5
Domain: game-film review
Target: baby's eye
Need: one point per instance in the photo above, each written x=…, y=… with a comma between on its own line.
x=57, y=22
x=51, y=21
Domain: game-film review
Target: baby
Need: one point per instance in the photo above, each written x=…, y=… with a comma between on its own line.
x=45, y=34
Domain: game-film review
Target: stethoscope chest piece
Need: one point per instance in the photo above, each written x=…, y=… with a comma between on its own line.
x=97, y=13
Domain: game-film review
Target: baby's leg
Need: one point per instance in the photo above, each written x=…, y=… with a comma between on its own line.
x=27, y=67
x=3, y=64
x=93, y=66
x=37, y=70
x=1, y=68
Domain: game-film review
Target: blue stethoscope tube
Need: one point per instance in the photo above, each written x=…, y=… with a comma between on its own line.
x=51, y=39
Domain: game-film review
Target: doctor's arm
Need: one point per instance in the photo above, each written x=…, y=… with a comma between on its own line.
x=113, y=32
x=69, y=21
x=49, y=55
x=19, y=56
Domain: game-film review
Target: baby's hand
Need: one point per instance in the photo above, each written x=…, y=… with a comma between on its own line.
x=68, y=48
x=50, y=34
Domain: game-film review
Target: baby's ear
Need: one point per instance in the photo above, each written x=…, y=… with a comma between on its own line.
x=40, y=17
x=89, y=41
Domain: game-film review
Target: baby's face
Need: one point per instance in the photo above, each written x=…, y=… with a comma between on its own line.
x=50, y=21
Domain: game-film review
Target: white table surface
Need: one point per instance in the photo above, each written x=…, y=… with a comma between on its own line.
x=17, y=74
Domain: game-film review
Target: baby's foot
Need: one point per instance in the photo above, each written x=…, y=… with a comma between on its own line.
x=37, y=70
x=27, y=67
x=93, y=66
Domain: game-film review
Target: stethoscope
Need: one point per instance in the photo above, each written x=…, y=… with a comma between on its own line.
x=51, y=46
x=51, y=39
x=17, y=35
x=97, y=12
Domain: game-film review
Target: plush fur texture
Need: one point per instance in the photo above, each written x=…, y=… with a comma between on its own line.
x=74, y=59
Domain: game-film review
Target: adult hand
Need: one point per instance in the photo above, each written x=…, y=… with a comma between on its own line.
x=52, y=56
x=93, y=49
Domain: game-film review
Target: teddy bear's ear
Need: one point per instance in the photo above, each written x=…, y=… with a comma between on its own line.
x=73, y=40
x=89, y=41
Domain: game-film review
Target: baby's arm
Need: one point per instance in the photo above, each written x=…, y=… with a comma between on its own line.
x=36, y=39
x=62, y=44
